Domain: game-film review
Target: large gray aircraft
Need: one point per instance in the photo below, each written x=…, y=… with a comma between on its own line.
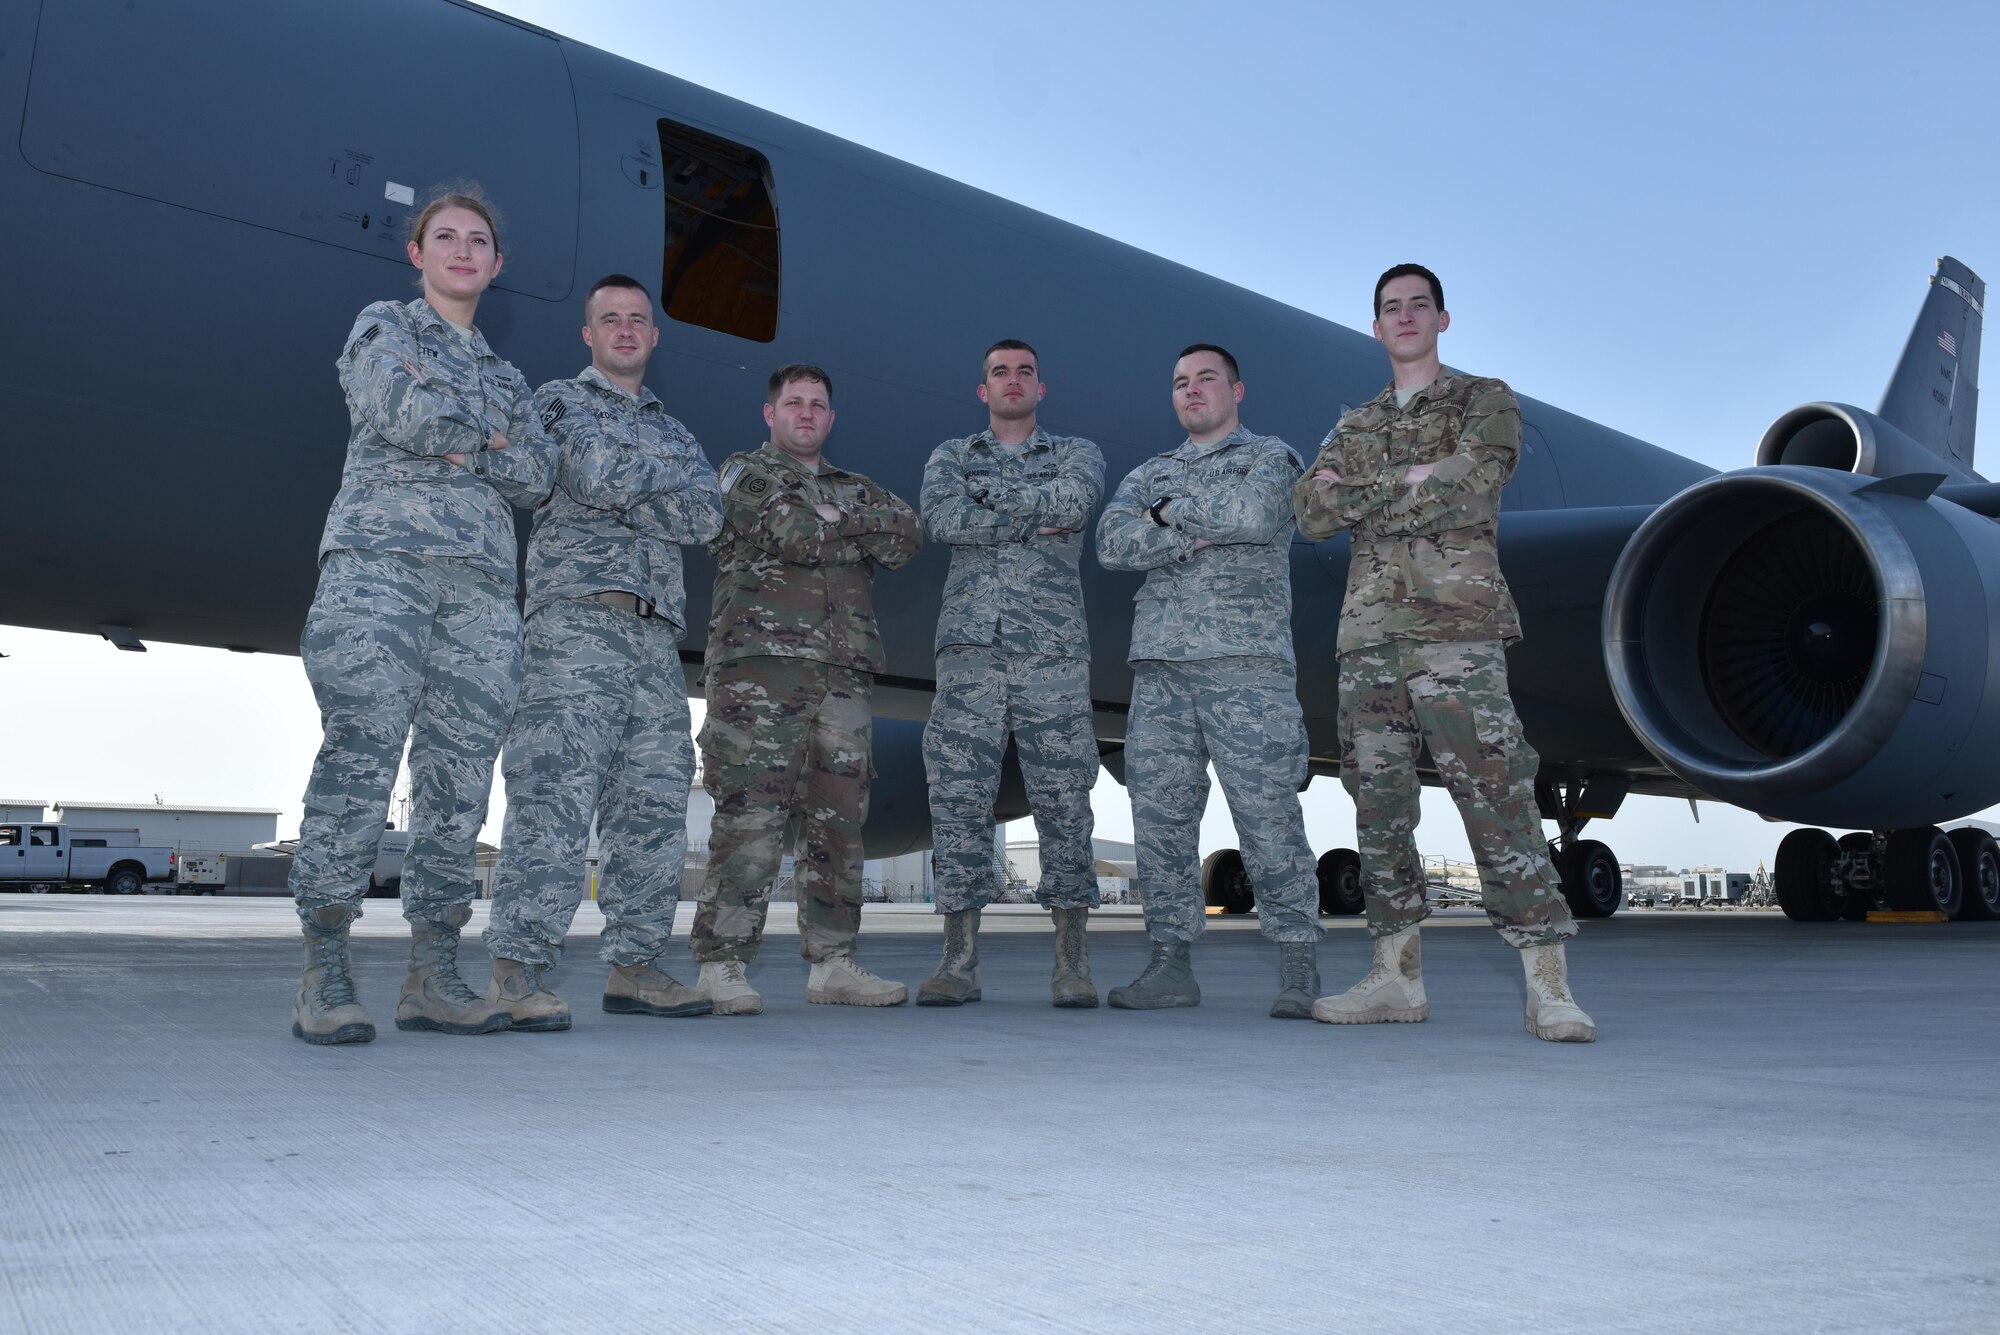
x=200, y=195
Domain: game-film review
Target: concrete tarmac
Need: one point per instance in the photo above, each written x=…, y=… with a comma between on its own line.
x=1780, y=1130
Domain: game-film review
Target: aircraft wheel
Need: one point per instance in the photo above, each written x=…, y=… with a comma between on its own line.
x=1225, y=882
x=1340, y=893
x=1922, y=871
x=1854, y=907
x=1804, y=873
x=1591, y=880
x=1978, y=874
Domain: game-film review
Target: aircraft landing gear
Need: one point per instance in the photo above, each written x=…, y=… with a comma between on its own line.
x=1592, y=881
x=1821, y=879
x=1225, y=882
x=1340, y=894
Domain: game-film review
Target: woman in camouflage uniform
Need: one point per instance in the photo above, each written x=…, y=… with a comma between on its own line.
x=415, y=633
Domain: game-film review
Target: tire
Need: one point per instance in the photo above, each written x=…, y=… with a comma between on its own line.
x=125, y=881
x=1591, y=879
x=1225, y=882
x=1340, y=892
x=1921, y=868
x=1854, y=905
x=1802, y=869
x=1978, y=874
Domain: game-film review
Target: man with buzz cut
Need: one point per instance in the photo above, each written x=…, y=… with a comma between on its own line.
x=1013, y=659
x=1414, y=477
x=602, y=725
x=791, y=663
x=1214, y=679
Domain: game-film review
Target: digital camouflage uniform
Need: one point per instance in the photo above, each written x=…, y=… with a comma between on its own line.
x=415, y=621
x=1013, y=656
x=602, y=726
x=1423, y=635
x=1214, y=677
x=792, y=653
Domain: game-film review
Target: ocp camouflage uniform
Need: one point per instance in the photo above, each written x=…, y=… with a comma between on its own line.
x=1214, y=677
x=603, y=725
x=1423, y=636
x=415, y=622
x=792, y=653
x=1013, y=656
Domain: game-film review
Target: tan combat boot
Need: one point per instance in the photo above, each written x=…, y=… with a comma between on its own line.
x=640, y=989
x=1553, y=1014
x=957, y=978
x=434, y=996
x=517, y=989
x=326, y=1011
x=1392, y=991
x=1071, y=983
x=723, y=983
x=841, y=981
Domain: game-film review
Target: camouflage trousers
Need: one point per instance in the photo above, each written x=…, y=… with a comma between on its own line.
x=602, y=729
x=785, y=755
x=1241, y=714
x=1044, y=701
x=402, y=647
x=1451, y=696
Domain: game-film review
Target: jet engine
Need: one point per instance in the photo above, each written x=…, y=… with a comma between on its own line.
x=1816, y=646
x=1843, y=437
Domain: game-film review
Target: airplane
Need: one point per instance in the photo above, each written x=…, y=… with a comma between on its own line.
x=210, y=190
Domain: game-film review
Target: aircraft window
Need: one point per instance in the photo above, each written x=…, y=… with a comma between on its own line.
x=42, y=836
x=721, y=265
x=10, y=836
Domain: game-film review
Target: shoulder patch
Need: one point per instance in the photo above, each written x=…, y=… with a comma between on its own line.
x=756, y=484
x=730, y=472
x=369, y=337
x=553, y=413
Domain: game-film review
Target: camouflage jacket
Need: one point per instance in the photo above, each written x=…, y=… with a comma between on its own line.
x=1424, y=565
x=1230, y=599
x=1010, y=589
x=417, y=391
x=789, y=584
x=631, y=485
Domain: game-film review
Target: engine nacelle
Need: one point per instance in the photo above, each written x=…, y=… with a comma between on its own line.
x=1842, y=437
x=1814, y=646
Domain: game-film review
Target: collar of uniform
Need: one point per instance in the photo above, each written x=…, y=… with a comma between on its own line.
x=1038, y=441
x=1189, y=450
x=771, y=454
x=645, y=398
x=1447, y=380
x=426, y=315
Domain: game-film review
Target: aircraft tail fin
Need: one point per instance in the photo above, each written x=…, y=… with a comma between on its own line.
x=1934, y=394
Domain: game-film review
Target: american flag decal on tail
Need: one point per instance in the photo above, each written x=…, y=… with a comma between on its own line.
x=1948, y=343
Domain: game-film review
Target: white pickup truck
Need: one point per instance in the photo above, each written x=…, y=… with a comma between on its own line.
x=37, y=856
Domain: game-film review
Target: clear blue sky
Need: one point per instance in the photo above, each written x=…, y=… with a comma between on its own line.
x=1680, y=220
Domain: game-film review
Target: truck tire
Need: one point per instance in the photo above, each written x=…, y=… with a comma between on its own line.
x=125, y=880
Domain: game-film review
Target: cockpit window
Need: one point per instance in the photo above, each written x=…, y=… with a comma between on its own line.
x=721, y=265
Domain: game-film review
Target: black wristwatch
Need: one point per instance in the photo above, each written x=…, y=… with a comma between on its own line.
x=1155, y=508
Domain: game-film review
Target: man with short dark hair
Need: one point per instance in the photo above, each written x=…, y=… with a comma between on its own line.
x=1214, y=680
x=792, y=653
x=1415, y=476
x=1013, y=660
x=602, y=725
